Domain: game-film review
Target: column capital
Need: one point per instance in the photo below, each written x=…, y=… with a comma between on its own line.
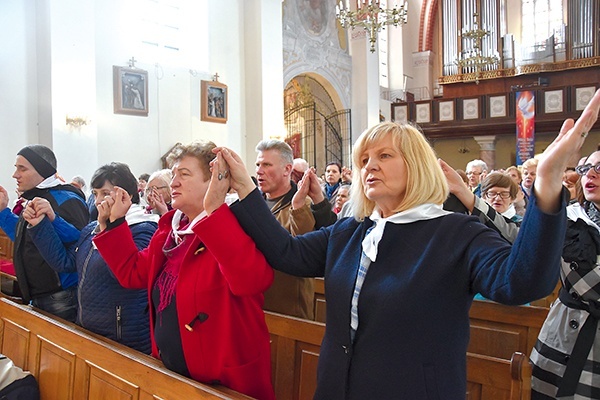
x=486, y=142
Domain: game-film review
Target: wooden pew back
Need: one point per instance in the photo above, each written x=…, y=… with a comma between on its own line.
x=71, y=364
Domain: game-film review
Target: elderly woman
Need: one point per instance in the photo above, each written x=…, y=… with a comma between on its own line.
x=105, y=307
x=158, y=192
x=400, y=276
x=500, y=191
x=204, y=276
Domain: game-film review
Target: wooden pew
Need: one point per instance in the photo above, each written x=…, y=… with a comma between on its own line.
x=499, y=331
x=491, y=378
x=71, y=364
x=295, y=345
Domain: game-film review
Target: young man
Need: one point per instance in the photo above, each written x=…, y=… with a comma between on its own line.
x=51, y=290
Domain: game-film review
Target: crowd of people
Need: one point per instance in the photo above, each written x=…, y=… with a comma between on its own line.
x=181, y=263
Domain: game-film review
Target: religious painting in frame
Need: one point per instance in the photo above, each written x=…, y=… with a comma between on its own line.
x=471, y=108
x=497, y=106
x=446, y=109
x=583, y=95
x=553, y=101
x=130, y=91
x=213, y=101
x=400, y=113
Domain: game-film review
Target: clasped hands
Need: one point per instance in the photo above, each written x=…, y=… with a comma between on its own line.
x=229, y=167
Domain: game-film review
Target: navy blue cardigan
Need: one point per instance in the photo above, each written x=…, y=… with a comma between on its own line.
x=414, y=305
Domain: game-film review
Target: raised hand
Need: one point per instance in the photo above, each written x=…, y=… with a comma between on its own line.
x=30, y=215
x=346, y=175
x=554, y=160
x=218, y=186
x=104, y=211
x=122, y=203
x=156, y=201
x=299, y=199
x=457, y=186
x=36, y=210
x=240, y=181
x=3, y=198
x=315, y=192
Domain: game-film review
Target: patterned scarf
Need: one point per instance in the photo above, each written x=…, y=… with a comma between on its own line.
x=593, y=213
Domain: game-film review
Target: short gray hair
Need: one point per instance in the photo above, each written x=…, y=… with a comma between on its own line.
x=477, y=163
x=284, y=149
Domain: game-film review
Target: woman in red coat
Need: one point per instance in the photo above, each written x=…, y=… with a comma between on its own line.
x=205, y=279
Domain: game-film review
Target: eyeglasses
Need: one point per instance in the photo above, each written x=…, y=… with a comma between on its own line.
x=492, y=195
x=473, y=173
x=148, y=189
x=583, y=169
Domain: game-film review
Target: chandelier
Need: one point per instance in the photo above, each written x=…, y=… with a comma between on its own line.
x=370, y=16
x=474, y=60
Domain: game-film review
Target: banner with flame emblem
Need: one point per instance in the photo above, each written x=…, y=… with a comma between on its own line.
x=525, y=102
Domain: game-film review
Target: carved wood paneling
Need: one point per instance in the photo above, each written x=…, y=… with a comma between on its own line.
x=107, y=386
x=15, y=342
x=56, y=371
x=307, y=356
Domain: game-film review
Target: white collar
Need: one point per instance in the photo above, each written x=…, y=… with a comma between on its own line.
x=423, y=212
x=177, y=233
x=510, y=211
x=50, y=182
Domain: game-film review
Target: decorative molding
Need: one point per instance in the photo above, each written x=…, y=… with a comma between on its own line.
x=400, y=113
x=497, y=106
x=583, y=95
x=446, y=109
x=522, y=70
x=471, y=108
x=553, y=101
x=423, y=113
x=315, y=48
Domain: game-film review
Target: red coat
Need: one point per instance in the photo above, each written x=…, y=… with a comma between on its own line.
x=225, y=281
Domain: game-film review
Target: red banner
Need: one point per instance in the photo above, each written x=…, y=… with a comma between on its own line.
x=525, y=102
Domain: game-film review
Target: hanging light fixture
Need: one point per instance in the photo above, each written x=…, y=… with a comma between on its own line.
x=474, y=60
x=371, y=17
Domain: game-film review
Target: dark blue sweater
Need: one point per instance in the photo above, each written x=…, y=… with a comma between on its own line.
x=414, y=305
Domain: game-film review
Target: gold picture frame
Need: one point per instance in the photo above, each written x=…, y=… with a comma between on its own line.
x=213, y=102
x=130, y=91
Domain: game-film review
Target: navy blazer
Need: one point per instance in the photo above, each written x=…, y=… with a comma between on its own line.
x=414, y=305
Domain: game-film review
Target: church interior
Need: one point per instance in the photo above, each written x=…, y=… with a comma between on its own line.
x=113, y=80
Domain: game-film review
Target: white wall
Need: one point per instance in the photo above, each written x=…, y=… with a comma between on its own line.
x=58, y=61
x=18, y=84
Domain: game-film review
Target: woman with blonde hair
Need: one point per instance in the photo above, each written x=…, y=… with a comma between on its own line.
x=400, y=277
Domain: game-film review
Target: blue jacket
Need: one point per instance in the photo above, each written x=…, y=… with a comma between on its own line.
x=413, y=330
x=35, y=277
x=105, y=307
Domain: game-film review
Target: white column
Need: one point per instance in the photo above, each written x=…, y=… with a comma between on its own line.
x=487, y=150
x=365, y=83
x=263, y=80
x=423, y=75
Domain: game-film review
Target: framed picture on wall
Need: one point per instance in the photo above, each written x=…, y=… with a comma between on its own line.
x=583, y=95
x=213, y=101
x=553, y=101
x=130, y=91
x=400, y=113
x=446, y=109
x=471, y=108
x=497, y=106
x=423, y=112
